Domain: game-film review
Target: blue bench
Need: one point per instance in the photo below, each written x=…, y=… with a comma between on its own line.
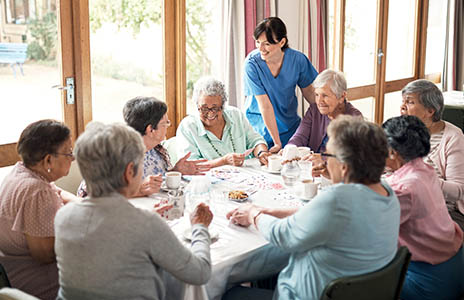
x=13, y=54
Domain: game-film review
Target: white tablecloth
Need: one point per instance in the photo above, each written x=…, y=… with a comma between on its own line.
x=239, y=253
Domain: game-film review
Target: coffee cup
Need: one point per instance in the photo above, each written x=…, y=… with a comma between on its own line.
x=309, y=188
x=274, y=163
x=173, y=179
x=304, y=151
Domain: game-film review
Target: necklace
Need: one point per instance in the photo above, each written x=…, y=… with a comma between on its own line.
x=214, y=147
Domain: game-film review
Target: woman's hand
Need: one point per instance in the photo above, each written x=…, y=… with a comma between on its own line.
x=192, y=167
x=201, y=215
x=151, y=184
x=320, y=169
x=234, y=159
x=276, y=148
x=263, y=157
x=243, y=215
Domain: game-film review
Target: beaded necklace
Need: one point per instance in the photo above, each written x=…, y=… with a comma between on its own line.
x=215, y=149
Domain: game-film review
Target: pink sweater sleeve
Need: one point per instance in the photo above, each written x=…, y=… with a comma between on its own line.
x=450, y=160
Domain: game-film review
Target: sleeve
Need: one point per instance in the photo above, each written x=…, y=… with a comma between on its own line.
x=302, y=134
x=307, y=72
x=252, y=137
x=252, y=81
x=186, y=142
x=191, y=266
x=453, y=185
x=405, y=198
x=37, y=213
x=313, y=225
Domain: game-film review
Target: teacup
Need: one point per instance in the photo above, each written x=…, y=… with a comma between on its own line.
x=304, y=151
x=274, y=163
x=173, y=179
x=309, y=188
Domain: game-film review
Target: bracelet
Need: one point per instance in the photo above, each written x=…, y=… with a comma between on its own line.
x=261, y=151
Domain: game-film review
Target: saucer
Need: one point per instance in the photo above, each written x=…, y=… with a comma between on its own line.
x=187, y=234
x=164, y=187
x=266, y=169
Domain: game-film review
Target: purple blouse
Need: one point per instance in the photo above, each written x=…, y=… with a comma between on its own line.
x=313, y=127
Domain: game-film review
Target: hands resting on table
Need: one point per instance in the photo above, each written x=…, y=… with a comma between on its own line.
x=201, y=215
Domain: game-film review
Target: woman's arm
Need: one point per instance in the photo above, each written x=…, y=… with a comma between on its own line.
x=308, y=94
x=453, y=185
x=41, y=248
x=267, y=112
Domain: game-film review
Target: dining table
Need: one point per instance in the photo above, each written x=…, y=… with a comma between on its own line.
x=238, y=254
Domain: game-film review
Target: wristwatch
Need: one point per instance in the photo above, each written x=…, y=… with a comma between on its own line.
x=261, y=151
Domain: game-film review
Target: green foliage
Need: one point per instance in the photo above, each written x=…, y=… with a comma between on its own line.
x=125, y=13
x=43, y=35
x=132, y=14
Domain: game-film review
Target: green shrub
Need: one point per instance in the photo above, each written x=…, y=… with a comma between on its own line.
x=43, y=36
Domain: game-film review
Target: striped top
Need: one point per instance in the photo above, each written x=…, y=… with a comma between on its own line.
x=435, y=140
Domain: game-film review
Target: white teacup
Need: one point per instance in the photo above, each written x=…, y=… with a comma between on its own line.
x=274, y=163
x=173, y=179
x=309, y=188
x=304, y=151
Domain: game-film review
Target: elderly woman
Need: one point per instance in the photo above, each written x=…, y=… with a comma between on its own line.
x=423, y=99
x=219, y=133
x=272, y=73
x=436, y=270
x=28, y=203
x=108, y=249
x=349, y=228
x=330, y=89
x=149, y=117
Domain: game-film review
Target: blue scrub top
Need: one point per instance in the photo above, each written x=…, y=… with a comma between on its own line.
x=296, y=70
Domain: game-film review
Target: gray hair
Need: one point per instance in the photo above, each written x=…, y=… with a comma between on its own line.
x=209, y=86
x=429, y=96
x=103, y=153
x=334, y=79
x=361, y=145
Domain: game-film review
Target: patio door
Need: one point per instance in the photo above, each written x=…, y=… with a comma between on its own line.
x=380, y=47
x=47, y=83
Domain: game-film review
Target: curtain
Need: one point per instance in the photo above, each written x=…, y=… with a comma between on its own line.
x=317, y=33
x=453, y=70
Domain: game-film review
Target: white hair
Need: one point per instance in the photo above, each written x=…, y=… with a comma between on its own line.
x=209, y=86
x=334, y=79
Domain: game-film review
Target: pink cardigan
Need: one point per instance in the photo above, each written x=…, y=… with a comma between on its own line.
x=449, y=160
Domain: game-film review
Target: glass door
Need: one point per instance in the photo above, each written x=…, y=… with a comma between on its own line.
x=32, y=76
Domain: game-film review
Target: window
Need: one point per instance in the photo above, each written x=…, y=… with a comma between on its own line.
x=19, y=11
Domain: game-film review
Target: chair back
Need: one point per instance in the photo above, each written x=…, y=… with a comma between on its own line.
x=4, y=282
x=383, y=284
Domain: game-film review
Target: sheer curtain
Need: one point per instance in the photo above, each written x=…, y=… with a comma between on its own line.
x=453, y=70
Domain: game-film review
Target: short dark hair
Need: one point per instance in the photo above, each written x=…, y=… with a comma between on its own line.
x=361, y=145
x=143, y=111
x=273, y=27
x=408, y=136
x=41, y=138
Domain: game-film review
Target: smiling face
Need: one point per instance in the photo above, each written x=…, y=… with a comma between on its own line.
x=326, y=100
x=411, y=106
x=210, y=110
x=268, y=50
x=159, y=134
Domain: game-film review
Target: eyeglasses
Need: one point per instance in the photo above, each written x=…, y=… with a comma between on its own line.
x=205, y=110
x=167, y=124
x=70, y=155
x=328, y=155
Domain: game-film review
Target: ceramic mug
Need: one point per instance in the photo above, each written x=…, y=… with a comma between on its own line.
x=309, y=188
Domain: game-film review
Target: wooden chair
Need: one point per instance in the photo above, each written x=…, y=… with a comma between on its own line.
x=383, y=284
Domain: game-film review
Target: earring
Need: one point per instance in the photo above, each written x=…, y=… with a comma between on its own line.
x=49, y=170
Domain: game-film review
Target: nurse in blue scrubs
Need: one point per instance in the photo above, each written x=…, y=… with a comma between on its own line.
x=272, y=72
